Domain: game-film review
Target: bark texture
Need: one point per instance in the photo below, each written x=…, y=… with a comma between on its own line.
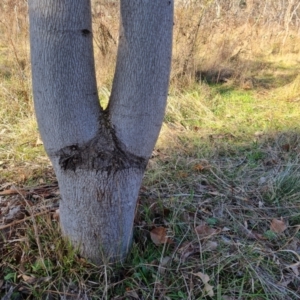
x=140, y=87
x=99, y=156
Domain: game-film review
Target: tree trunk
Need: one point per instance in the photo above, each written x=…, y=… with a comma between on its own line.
x=99, y=156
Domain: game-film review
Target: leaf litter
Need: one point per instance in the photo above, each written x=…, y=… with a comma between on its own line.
x=217, y=230
x=245, y=212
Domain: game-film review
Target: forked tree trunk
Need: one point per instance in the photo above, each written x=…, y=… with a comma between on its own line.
x=99, y=156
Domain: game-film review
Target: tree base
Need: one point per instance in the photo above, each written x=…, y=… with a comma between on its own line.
x=97, y=211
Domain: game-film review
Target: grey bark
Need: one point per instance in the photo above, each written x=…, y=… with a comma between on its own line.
x=99, y=156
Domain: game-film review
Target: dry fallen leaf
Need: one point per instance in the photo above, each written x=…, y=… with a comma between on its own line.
x=278, y=226
x=29, y=279
x=204, y=277
x=207, y=287
x=204, y=230
x=295, y=268
x=294, y=245
x=55, y=215
x=182, y=174
x=132, y=294
x=159, y=235
x=258, y=236
x=163, y=264
x=210, y=246
x=286, y=147
x=209, y=290
x=286, y=282
x=200, y=167
x=15, y=213
x=187, y=249
x=224, y=229
x=39, y=142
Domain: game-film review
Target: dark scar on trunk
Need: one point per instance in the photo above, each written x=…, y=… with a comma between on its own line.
x=103, y=153
x=85, y=32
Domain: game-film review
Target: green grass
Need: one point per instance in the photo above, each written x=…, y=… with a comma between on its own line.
x=219, y=161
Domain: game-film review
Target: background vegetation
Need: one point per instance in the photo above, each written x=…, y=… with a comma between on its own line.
x=218, y=215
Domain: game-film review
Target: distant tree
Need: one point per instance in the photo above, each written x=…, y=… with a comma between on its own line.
x=99, y=156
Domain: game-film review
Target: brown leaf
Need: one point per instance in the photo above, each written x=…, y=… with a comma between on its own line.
x=204, y=230
x=208, y=289
x=251, y=234
x=29, y=279
x=163, y=264
x=258, y=236
x=55, y=215
x=182, y=174
x=210, y=246
x=199, y=168
x=12, y=192
x=159, y=235
x=278, y=226
x=187, y=249
x=286, y=147
x=132, y=294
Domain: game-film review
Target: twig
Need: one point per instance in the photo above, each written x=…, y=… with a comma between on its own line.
x=25, y=219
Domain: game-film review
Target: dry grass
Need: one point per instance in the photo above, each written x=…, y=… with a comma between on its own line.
x=223, y=180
